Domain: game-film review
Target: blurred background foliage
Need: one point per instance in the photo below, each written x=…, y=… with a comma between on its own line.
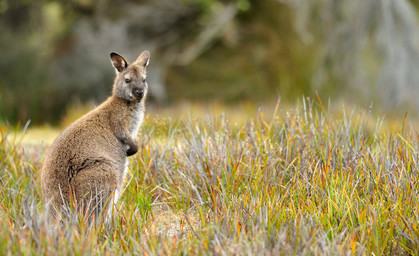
x=55, y=54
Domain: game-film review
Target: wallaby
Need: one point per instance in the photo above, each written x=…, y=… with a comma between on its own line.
x=87, y=163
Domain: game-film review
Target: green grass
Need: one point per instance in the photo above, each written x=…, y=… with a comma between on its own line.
x=304, y=181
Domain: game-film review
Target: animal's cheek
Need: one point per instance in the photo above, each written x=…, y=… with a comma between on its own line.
x=128, y=93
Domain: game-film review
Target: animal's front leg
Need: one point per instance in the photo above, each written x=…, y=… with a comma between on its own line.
x=132, y=147
x=124, y=136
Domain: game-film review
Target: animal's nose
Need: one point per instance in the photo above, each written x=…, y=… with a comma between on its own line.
x=139, y=94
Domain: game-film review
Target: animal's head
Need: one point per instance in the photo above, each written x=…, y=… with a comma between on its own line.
x=130, y=82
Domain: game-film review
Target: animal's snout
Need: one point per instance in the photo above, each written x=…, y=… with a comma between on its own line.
x=139, y=93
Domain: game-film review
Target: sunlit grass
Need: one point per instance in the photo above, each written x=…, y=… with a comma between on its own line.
x=307, y=180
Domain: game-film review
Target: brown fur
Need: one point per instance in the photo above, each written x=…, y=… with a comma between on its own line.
x=87, y=162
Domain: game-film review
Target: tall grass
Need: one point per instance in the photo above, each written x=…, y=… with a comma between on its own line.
x=305, y=181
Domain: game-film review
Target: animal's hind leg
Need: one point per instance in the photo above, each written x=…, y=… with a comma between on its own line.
x=93, y=191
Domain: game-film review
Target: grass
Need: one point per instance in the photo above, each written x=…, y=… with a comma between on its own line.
x=306, y=181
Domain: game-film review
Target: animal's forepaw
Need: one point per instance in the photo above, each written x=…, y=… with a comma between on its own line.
x=132, y=149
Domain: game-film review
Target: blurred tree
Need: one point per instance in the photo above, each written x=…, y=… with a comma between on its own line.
x=257, y=57
x=367, y=46
x=23, y=65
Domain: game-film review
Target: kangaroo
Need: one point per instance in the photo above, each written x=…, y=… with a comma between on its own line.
x=87, y=163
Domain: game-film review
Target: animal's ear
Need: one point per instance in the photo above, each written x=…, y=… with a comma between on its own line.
x=143, y=59
x=118, y=62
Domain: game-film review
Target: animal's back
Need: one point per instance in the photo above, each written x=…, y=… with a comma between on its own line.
x=87, y=147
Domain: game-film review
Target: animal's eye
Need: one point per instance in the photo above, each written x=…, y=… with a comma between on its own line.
x=143, y=80
x=127, y=81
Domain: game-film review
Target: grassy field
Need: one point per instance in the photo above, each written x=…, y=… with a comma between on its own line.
x=307, y=180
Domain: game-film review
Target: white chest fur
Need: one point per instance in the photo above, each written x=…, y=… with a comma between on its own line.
x=135, y=124
x=136, y=120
